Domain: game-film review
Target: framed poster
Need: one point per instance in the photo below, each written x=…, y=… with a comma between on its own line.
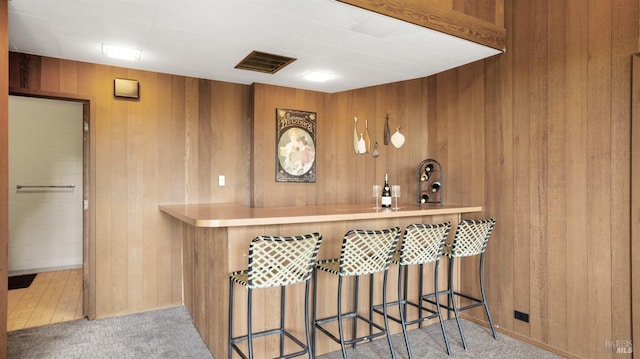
x=295, y=146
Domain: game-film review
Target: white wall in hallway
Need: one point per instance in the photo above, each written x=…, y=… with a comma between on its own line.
x=45, y=148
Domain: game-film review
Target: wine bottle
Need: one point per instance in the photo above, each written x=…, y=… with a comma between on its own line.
x=435, y=186
x=427, y=173
x=428, y=169
x=386, y=193
x=424, y=198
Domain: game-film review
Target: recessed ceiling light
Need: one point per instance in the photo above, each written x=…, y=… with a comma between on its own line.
x=318, y=76
x=122, y=53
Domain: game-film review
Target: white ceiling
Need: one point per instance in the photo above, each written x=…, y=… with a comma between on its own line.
x=207, y=38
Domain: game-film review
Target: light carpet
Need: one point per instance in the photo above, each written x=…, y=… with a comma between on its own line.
x=169, y=333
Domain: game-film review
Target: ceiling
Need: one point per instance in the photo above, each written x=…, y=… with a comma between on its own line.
x=207, y=38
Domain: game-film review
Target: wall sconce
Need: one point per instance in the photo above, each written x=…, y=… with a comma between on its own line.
x=126, y=88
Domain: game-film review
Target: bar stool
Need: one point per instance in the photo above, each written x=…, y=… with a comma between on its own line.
x=421, y=244
x=471, y=239
x=275, y=262
x=363, y=252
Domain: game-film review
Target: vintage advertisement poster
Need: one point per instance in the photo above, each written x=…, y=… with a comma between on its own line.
x=295, y=146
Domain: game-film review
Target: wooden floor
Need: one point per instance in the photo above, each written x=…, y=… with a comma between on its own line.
x=53, y=297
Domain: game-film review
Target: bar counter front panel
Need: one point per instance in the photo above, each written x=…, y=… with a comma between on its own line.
x=215, y=242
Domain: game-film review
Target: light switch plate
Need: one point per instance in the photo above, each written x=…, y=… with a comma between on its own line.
x=221, y=181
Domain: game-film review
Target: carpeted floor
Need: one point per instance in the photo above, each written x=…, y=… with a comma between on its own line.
x=169, y=333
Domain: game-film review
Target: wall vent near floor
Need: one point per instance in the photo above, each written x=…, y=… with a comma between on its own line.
x=521, y=316
x=264, y=62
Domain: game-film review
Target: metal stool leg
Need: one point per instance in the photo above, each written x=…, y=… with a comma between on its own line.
x=384, y=309
x=306, y=320
x=249, y=334
x=402, y=306
x=282, y=313
x=453, y=302
x=314, y=311
x=420, y=291
x=484, y=299
x=340, y=331
x=370, y=307
x=230, y=326
x=355, y=309
x=405, y=293
x=438, y=311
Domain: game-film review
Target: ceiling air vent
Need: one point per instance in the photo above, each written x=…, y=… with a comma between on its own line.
x=263, y=62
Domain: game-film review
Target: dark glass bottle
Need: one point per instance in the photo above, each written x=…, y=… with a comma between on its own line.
x=435, y=187
x=424, y=198
x=386, y=193
x=428, y=169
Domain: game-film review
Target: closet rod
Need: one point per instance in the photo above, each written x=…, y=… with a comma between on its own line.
x=65, y=186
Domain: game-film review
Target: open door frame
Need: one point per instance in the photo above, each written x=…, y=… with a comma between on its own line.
x=88, y=255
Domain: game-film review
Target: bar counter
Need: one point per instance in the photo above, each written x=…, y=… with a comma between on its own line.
x=215, y=242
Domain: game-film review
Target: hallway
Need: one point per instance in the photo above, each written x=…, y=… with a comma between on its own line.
x=53, y=297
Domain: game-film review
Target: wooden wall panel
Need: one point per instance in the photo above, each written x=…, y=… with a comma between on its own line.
x=635, y=199
x=487, y=10
x=599, y=152
x=499, y=132
x=577, y=175
x=266, y=191
x=556, y=186
x=343, y=176
x=538, y=161
x=567, y=102
x=167, y=147
x=621, y=302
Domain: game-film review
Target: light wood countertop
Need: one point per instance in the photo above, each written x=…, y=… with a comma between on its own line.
x=232, y=215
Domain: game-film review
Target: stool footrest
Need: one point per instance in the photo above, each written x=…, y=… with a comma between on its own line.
x=478, y=302
x=265, y=333
x=381, y=330
x=434, y=313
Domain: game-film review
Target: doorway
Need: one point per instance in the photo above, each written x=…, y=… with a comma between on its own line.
x=47, y=210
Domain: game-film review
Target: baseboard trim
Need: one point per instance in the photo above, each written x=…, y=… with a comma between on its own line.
x=41, y=270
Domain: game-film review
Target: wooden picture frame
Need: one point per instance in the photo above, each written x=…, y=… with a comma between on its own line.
x=295, y=146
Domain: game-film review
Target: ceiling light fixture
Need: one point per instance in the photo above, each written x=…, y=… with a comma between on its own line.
x=318, y=76
x=122, y=53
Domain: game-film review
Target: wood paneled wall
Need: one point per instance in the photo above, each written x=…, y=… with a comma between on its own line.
x=557, y=160
x=167, y=147
x=343, y=176
x=267, y=192
x=539, y=136
x=635, y=199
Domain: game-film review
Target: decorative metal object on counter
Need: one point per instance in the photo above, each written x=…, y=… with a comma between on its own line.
x=430, y=182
